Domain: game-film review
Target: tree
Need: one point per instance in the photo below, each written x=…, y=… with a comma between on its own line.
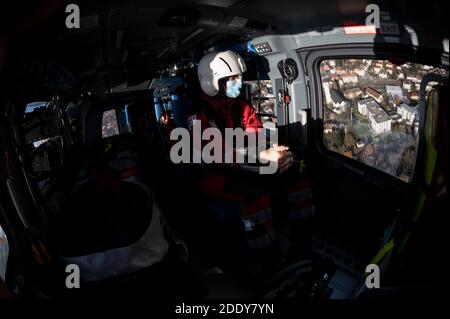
x=407, y=161
x=335, y=141
x=395, y=74
x=414, y=68
x=367, y=154
x=398, y=127
x=335, y=85
x=349, y=140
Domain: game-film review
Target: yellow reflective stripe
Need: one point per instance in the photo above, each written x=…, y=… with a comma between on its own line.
x=382, y=252
x=430, y=162
x=430, y=159
x=419, y=206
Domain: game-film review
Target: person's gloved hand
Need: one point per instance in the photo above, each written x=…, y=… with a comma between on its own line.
x=280, y=155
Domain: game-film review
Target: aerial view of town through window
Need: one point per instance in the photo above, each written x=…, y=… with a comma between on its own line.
x=263, y=100
x=371, y=111
x=110, y=126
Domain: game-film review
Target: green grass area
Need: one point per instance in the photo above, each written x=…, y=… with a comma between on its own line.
x=361, y=130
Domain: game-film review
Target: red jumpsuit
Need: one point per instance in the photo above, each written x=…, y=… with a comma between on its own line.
x=254, y=207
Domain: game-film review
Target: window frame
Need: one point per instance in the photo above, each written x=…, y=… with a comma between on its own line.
x=312, y=59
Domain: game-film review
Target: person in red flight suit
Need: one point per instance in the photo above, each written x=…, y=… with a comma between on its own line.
x=235, y=196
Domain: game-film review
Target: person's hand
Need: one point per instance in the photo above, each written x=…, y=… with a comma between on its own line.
x=280, y=155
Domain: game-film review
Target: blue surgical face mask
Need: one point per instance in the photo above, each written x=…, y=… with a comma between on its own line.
x=233, y=88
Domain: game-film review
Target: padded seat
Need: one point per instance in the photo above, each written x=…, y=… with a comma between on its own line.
x=110, y=224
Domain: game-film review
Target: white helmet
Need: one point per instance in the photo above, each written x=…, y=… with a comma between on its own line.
x=215, y=66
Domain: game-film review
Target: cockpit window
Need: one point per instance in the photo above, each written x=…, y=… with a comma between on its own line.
x=110, y=126
x=35, y=105
x=263, y=99
x=371, y=112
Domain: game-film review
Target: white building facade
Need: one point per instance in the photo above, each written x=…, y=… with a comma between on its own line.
x=408, y=113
